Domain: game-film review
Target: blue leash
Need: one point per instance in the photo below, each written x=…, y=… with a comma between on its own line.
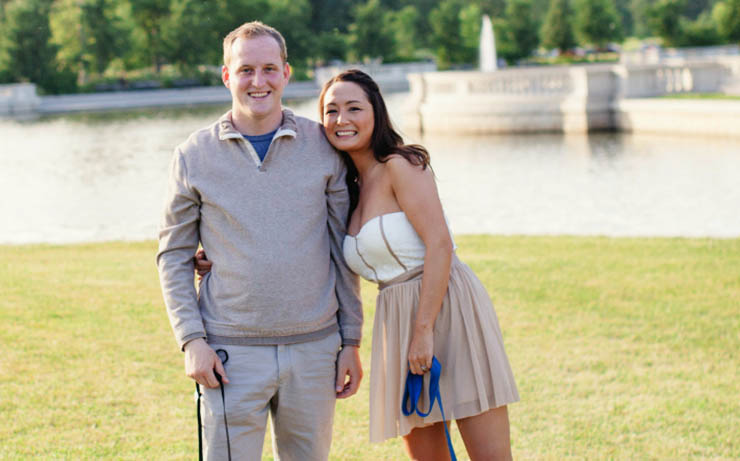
x=414, y=385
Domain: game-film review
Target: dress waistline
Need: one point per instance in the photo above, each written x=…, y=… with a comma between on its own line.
x=413, y=274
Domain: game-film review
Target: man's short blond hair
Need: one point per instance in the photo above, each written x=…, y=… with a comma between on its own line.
x=252, y=30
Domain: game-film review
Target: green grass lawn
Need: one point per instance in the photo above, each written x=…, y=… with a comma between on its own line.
x=730, y=97
x=622, y=349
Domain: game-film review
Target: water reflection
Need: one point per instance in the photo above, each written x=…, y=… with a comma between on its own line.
x=102, y=177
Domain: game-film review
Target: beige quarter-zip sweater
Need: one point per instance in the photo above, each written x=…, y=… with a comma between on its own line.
x=273, y=231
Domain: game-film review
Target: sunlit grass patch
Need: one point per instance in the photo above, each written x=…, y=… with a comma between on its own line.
x=622, y=349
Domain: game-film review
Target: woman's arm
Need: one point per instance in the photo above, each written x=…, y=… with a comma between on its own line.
x=417, y=196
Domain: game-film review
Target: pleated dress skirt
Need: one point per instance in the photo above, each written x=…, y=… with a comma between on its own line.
x=476, y=375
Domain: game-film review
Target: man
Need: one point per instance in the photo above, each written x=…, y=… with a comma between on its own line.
x=264, y=194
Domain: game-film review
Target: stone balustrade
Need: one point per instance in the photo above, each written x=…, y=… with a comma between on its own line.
x=18, y=99
x=560, y=99
x=658, y=55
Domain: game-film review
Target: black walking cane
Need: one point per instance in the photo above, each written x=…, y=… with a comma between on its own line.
x=224, y=356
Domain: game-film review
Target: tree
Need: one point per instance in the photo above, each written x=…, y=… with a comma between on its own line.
x=88, y=35
x=291, y=18
x=370, y=38
x=664, y=19
x=150, y=16
x=403, y=24
x=557, y=30
x=727, y=16
x=330, y=16
x=192, y=34
x=102, y=33
x=470, y=25
x=625, y=16
x=493, y=8
x=28, y=48
x=445, y=23
x=701, y=32
x=639, y=9
x=5, y=76
x=598, y=22
x=516, y=35
x=424, y=32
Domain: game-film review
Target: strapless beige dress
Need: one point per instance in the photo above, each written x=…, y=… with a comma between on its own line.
x=476, y=375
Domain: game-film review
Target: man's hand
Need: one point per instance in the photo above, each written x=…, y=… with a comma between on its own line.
x=348, y=366
x=200, y=362
x=202, y=264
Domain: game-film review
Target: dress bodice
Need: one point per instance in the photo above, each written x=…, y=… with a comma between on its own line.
x=385, y=247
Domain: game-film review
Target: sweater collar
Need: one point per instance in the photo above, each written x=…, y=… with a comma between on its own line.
x=226, y=129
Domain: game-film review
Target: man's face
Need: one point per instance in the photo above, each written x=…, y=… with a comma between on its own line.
x=256, y=77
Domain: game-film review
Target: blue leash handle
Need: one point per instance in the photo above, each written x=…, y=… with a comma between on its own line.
x=412, y=394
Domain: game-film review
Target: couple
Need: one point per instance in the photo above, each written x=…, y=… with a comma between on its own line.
x=286, y=223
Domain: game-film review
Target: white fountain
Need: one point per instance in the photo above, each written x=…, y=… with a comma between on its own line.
x=487, y=47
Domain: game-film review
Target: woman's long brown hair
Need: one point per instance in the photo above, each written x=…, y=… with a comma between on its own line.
x=384, y=142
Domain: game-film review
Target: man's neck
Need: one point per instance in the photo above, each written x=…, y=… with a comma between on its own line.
x=251, y=126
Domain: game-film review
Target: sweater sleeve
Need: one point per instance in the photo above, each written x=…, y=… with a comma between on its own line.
x=178, y=242
x=347, y=282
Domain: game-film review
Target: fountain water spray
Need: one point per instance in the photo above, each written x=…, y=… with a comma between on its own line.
x=487, y=47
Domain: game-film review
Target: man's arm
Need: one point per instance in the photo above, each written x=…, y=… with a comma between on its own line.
x=178, y=241
x=347, y=287
x=347, y=282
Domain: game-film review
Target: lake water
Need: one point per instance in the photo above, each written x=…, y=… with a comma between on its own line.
x=102, y=177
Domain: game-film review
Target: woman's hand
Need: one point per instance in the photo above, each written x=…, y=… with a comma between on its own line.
x=202, y=264
x=421, y=351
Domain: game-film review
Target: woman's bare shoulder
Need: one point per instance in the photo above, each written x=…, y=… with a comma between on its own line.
x=397, y=164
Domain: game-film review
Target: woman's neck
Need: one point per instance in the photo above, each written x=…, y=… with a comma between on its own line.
x=364, y=162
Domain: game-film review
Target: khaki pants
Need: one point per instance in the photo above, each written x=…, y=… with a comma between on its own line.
x=293, y=382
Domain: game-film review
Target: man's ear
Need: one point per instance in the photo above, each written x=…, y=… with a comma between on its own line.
x=287, y=71
x=225, y=75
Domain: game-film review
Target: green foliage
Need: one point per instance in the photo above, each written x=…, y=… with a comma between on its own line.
x=192, y=34
x=625, y=16
x=370, y=36
x=668, y=19
x=150, y=17
x=29, y=52
x=493, y=8
x=557, y=30
x=701, y=32
x=470, y=25
x=639, y=10
x=516, y=35
x=330, y=45
x=727, y=16
x=446, y=22
x=95, y=40
x=290, y=18
x=597, y=22
x=403, y=24
x=102, y=34
x=333, y=16
x=5, y=76
x=89, y=35
x=664, y=18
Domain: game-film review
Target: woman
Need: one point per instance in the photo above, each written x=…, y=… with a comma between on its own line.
x=430, y=303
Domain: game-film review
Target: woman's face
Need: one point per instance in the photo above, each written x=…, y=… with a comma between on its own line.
x=348, y=117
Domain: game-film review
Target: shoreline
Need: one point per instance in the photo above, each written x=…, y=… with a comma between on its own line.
x=153, y=240
x=136, y=99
